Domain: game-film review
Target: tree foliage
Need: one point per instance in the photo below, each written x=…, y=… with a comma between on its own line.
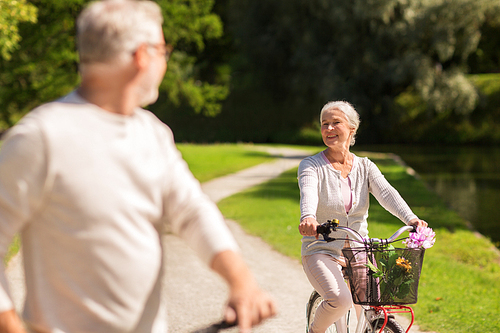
x=13, y=12
x=44, y=66
x=486, y=58
x=364, y=51
x=402, y=63
x=188, y=25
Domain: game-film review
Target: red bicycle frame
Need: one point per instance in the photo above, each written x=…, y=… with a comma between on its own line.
x=387, y=309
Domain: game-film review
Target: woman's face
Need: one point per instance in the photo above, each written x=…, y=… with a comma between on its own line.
x=335, y=129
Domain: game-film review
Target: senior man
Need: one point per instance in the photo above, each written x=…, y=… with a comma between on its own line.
x=91, y=182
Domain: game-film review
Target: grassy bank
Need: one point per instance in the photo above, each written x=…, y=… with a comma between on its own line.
x=459, y=289
x=211, y=161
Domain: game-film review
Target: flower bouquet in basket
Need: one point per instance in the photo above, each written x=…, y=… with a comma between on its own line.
x=396, y=271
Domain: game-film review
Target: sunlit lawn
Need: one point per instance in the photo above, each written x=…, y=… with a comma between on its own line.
x=211, y=161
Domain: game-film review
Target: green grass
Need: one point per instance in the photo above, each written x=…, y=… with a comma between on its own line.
x=459, y=289
x=14, y=246
x=269, y=211
x=488, y=83
x=211, y=161
x=13, y=249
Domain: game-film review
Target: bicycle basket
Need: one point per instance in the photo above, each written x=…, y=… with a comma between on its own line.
x=384, y=276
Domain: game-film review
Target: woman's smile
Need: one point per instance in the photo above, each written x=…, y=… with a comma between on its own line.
x=334, y=128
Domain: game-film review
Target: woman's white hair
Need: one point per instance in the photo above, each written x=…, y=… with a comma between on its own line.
x=350, y=113
x=108, y=30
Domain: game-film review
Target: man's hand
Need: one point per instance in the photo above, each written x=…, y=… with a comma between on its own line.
x=10, y=322
x=308, y=227
x=247, y=303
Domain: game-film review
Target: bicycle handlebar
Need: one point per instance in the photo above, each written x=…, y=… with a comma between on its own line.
x=333, y=225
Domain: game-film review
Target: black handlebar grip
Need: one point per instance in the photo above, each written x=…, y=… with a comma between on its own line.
x=323, y=228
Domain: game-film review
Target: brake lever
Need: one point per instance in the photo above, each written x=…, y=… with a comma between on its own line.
x=326, y=228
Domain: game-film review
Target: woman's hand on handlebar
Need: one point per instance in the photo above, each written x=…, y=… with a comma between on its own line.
x=418, y=223
x=308, y=227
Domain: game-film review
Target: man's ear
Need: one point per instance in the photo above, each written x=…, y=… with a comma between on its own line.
x=141, y=56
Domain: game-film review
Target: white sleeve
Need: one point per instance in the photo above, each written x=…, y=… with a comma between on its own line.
x=190, y=214
x=23, y=171
x=387, y=195
x=308, y=185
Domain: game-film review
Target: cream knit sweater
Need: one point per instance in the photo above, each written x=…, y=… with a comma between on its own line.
x=91, y=193
x=321, y=198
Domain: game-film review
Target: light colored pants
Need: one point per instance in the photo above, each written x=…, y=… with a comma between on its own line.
x=325, y=275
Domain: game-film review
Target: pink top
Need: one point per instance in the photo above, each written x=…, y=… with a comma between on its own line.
x=345, y=186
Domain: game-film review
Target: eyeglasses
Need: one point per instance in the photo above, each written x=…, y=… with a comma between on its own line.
x=164, y=49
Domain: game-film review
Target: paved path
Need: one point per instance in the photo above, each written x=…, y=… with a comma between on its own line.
x=195, y=295
x=281, y=276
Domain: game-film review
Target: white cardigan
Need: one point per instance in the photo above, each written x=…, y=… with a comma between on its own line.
x=321, y=198
x=91, y=193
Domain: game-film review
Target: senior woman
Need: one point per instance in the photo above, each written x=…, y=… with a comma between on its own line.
x=335, y=183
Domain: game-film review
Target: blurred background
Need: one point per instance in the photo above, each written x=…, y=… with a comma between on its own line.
x=418, y=71
x=423, y=74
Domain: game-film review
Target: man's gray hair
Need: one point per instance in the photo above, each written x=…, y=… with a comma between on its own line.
x=107, y=30
x=350, y=113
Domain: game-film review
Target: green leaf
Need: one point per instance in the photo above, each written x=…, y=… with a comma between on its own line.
x=383, y=287
x=372, y=267
x=392, y=259
x=398, y=281
x=404, y=289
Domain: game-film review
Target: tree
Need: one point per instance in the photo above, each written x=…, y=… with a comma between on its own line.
x=188, y=25
x=44, y=66
x=486, y=58
x=307, y=52
x=11, y=14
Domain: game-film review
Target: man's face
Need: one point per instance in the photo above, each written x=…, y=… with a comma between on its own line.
x=155, y=71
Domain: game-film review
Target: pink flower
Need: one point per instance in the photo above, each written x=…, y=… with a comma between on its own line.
x=424, y=237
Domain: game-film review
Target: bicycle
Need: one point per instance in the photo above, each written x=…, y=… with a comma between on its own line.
x=368, y=273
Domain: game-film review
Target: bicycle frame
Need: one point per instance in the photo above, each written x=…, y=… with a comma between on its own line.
x=386, y=310
x=368, y=310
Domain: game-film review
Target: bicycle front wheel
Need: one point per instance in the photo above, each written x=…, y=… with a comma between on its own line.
x=312, y=306
x=392, y=326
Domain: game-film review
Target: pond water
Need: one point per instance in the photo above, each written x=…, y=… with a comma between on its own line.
x=467, y=178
